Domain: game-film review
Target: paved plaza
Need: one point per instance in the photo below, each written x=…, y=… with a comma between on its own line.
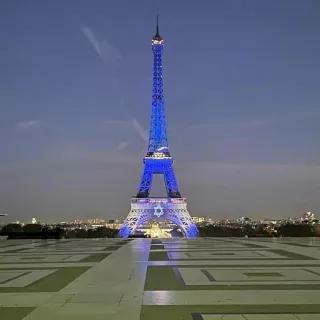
x=202, y=279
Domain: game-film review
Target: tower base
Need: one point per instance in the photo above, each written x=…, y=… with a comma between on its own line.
x=147, y=209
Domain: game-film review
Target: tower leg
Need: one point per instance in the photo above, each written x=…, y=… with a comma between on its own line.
x=162, y=166
x=146, y=181
x=183, y=220
x=171, y=182
x=135, y=218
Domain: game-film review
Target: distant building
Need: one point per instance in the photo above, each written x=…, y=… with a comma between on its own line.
x=308, y=216
x=198, y=219
x=156, y=231
x=244, y=220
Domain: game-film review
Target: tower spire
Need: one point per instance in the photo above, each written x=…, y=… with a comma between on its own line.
x=157, y=33
x=157, y=36
x=158, y=132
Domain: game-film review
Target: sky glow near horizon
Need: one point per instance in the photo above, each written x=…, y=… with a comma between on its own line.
x=241, y=81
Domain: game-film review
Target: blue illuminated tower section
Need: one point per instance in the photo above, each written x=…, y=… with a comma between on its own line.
x=158, y=161
x=158, y=133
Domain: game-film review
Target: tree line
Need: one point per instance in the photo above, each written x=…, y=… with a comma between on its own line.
x=284, y=230
x=38, y=231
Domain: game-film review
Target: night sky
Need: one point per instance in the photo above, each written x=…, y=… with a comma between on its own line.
x=242, y=101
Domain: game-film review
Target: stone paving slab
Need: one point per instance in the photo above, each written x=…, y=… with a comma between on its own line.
x=23, y=277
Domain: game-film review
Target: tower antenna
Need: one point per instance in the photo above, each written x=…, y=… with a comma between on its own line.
x=157, y=24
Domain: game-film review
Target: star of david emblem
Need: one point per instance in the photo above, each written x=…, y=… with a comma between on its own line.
x=158, y=211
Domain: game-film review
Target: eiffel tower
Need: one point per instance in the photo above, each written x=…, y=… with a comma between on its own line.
x=158, y=161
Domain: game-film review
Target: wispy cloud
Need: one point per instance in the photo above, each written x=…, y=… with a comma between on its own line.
x=142, y=132
x=108, y=53
x=114, y=122
x=136, y=125
x=28, y=124
x=122, y=145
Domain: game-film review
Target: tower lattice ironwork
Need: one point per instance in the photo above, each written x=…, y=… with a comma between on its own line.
x=158, y=161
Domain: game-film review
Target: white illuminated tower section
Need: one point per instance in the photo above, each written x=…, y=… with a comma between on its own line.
x=158, y=160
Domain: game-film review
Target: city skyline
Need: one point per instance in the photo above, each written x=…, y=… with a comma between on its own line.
x=241, y=98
